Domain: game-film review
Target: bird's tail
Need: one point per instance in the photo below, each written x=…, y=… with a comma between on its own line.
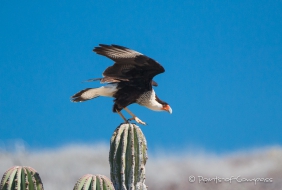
x=90, y=93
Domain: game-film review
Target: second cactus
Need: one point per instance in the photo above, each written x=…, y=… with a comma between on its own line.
x=128, y=156
x=91, y=182
x=21, y=178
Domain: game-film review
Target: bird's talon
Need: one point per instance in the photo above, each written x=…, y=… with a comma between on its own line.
x=138, y=120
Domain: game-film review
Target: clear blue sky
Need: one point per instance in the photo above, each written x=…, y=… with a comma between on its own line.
x=223, y=76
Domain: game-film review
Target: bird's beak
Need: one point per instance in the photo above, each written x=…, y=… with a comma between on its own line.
x=167, y=108
x=170, y=110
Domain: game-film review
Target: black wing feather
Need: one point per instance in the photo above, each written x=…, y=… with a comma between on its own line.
x=129, y=64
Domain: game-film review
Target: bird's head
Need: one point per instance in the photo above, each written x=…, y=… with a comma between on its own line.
x=160, y=105
x=167, y=108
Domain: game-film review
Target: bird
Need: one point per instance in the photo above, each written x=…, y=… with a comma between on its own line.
x=129, y=80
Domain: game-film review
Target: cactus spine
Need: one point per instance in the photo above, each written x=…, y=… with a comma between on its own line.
x=128, y=156
x=21, y=178
x=91, y=182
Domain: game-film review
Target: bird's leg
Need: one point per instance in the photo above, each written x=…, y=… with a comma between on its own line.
x=120, y=114
x=134, y=117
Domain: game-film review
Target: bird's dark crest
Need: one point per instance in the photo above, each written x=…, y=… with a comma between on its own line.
x=160, y=101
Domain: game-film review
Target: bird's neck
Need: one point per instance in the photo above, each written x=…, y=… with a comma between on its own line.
x=148, y=99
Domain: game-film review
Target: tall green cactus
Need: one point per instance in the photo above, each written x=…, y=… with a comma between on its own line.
x=21, y=178
x=128, y=156
x=91, y=182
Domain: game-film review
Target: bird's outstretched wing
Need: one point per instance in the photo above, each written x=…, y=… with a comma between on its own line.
x=129, y=64
x=109, y=80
